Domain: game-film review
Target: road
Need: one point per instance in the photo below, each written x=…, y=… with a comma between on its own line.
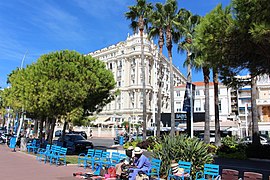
x=262, y=167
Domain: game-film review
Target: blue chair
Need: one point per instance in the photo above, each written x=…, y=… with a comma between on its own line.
x=122, y=156
x=54, y=149
x=105, y=160
x=155, y=168
x=209, y=171
x=84, y=157
x=58, y=156
x=97, y=156
x=42, y=153
x=115, y=159
x=32, y=146
x=184, y=165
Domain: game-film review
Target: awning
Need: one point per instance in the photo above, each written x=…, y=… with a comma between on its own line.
x=101, y=119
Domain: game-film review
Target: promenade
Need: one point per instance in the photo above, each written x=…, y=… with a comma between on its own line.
x=21, y=166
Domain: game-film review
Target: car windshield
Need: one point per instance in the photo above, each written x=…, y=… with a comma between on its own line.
x=77, y=137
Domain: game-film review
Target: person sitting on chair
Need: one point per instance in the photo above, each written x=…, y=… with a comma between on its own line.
x=142, y=164
x=125, y=162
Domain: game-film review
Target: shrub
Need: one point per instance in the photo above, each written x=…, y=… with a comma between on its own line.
x=147, y=144
x=182, y=148
x=230, y=148
x=133, y=143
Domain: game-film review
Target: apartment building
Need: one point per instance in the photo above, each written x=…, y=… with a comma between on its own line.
x=124, y=60
x=199, y=106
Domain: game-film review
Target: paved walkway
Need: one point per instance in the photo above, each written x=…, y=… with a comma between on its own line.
x=19, y=165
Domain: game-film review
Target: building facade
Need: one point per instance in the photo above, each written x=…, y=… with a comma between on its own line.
x=124, y=60
x=199, y=106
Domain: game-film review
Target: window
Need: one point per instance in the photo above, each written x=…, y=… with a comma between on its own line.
x=119, y=83
x=178, y=107
x=219, y=105
x=111, y=66
x=178, y=93
x=198, y=109
x=197, y=92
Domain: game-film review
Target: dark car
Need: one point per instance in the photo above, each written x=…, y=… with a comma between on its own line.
x=82, y=133
x=75, y=143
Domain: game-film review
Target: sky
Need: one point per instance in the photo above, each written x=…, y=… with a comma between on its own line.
x=32, y=28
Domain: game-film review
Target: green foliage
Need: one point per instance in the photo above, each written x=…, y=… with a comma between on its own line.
x=182, y=148
x=148, y=143
x=230, y=141
x=230, y=148
x=132, y=143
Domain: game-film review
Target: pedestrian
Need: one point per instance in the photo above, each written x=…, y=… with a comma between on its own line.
x=141, y=164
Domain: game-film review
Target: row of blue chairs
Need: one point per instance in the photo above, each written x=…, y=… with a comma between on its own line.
x=53, y=154
x=99, y=157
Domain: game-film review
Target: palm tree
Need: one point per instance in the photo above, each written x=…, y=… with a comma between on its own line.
x=171, y=25
x=189, y=23
x=137, y=15
x=156, y=20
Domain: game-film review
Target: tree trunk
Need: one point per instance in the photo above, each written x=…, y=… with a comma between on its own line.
x=51, y=130
x=143, y=86
x=206, y=73
x=41, y=134
x=169, y=48
x=47, y=127
x=255, y=128
x=189, y=77
x=160, y=77
x=217, y=124
x=35, y=128
x=64, y=130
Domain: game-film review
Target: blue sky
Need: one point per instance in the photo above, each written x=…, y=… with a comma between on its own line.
x=37, y=27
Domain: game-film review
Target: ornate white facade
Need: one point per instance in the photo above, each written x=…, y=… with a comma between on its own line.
x=124, y=60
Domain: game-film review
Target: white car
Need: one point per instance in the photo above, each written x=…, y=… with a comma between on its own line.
x=248, y=140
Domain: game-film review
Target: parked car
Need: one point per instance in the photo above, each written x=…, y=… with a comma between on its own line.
x=248, y=140
x=212, y=137
x=75, y=143
x=58, y=133
x=82, y=133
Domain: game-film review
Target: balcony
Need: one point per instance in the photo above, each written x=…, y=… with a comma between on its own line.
x=261, y=102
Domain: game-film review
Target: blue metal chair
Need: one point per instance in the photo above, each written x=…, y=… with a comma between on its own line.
x=115, y=158
x=209, y=171
x=58, y=156
x=54, y=149
x=32, y=146
x=42, y=153
x=104, y=160
x=97, y=156
x=155, y=168
x=186, y=166
x=84, y=157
